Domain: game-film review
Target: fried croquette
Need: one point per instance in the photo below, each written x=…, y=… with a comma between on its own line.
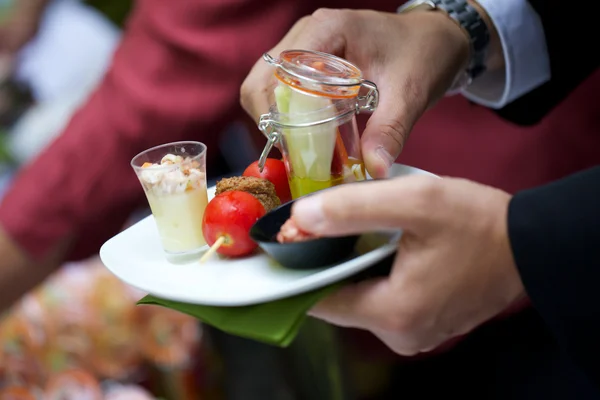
x=262, y=189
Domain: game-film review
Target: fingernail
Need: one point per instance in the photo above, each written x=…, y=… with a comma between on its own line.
x=385, y=156
x=309, y=212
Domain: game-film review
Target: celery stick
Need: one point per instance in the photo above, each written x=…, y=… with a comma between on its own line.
x=310, y=150
x=282, y=98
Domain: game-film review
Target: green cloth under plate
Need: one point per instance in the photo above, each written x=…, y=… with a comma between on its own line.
x=275, y=323
x=278, y=322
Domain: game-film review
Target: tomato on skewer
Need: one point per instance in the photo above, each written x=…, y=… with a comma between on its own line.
x=274, y=171
x=228, y=218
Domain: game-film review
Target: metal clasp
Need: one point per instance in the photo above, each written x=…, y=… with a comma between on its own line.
x=270, y=60
x=369, y=101
x=266, y=127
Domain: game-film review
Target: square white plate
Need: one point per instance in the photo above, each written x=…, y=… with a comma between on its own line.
x=135, y=256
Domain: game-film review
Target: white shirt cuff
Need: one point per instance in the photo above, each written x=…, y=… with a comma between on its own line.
x=527, y=64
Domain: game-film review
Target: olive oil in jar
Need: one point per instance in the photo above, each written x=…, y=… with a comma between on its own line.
x=354, y=171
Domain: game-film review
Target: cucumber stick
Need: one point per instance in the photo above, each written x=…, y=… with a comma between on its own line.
x=310, y=150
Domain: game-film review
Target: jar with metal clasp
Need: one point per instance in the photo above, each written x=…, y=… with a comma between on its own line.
x=313, y=119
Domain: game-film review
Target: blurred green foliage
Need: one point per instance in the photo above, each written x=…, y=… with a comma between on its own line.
x=6, y=157
x=116, y=10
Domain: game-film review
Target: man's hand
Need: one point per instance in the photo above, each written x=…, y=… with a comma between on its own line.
x=21, y=26
x=413, y=58
x=454, y=268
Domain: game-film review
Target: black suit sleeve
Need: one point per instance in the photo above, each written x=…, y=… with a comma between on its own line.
x=571, y=31
x=555, y=236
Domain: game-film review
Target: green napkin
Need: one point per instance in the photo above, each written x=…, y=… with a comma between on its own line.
x=275, y=323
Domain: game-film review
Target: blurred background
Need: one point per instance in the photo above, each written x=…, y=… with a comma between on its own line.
x=80, y=335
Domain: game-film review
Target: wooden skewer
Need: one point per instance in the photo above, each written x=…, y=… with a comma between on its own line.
x=213, y=249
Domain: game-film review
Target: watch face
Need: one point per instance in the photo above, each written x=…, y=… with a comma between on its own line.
x=417, y=5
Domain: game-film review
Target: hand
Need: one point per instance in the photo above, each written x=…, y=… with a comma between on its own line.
x=413, y=58
x=22, y=25
x=454, y=268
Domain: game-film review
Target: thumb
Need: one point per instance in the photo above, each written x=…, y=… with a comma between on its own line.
x=257, y=89
x=367, y=206
x=389, y=127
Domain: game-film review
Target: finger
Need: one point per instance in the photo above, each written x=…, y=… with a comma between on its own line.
x=399, y=344
x=309, y=33
x=389, y=127
x=257, y=88
x=368, y=206
x=325, y=31
x=372, y=305
x=356, y=306
x=369, y=306
x=255, y=93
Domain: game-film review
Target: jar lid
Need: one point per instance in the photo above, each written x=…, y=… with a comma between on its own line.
x=317, y=73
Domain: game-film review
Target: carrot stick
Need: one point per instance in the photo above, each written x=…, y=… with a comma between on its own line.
x=340, y=156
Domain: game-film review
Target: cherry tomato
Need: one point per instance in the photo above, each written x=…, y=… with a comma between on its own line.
x=231, y=215
x=274, y=171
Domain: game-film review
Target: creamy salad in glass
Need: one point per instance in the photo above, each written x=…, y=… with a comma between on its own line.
x=174, y=179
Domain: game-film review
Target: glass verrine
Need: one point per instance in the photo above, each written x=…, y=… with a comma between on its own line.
x=173, y=176
x=313, y=119
x=320, y=156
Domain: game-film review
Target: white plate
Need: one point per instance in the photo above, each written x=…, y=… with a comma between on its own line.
x=135, y=256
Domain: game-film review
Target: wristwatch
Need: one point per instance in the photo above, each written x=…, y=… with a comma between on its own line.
x=470, y=20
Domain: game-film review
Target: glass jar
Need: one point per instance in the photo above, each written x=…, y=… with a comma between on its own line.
x=313, y=119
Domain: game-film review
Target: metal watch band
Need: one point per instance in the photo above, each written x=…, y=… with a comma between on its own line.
x=471, y=21
x=468, y=17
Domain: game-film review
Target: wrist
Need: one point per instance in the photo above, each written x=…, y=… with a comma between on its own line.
x=469, y=21
x=455, y=49
x=457, y=38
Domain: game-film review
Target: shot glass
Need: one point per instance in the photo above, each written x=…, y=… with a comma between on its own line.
x=173, y=176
